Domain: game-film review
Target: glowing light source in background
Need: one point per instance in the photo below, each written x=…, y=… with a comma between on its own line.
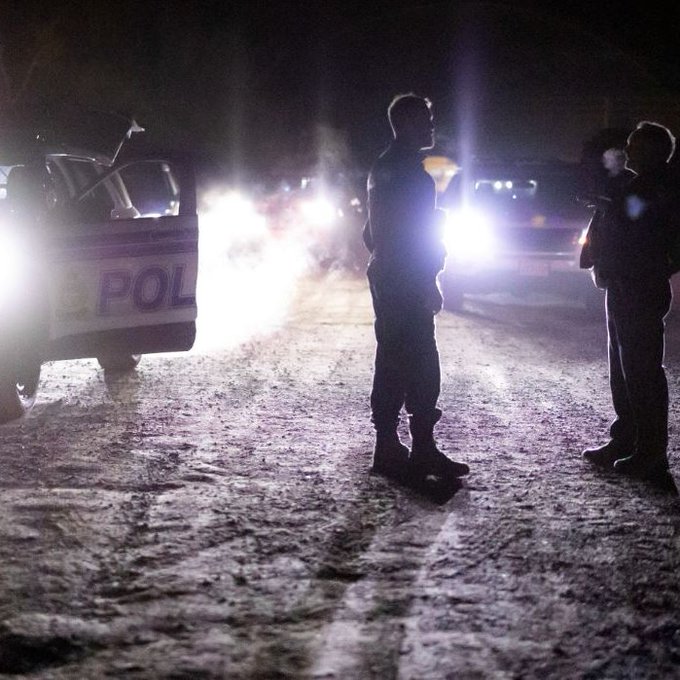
x=468, y=235
x=319, y=211
x=247, y=278
x=13, y=260
x=228, y=220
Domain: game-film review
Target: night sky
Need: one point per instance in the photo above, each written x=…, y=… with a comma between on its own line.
x=273, y=86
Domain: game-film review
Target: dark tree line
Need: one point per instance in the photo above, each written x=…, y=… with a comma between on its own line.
x=262, y=85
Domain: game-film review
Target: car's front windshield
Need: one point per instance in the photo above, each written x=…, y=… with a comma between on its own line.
x=513, y=192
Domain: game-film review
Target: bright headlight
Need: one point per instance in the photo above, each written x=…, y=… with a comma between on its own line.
x=319, y=211
x=468, y=235
x=13, y=266
x=12, y=261
x=228, y=220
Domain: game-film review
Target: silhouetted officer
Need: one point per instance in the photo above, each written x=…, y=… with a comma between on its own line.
x=615, y=178
x=403, y=234
x=632, y=259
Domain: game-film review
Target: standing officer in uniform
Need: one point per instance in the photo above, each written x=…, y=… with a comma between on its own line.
x=632, y=259
x=403, y=234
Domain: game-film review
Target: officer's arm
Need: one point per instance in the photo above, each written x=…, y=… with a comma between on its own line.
x=381, y=211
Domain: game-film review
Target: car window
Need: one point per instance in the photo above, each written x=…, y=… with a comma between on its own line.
x=88, y=193
x=556, y=192
x=96, y=205
x=153, y=187
x=29, y=194
x=541, y=189
x=60, y=184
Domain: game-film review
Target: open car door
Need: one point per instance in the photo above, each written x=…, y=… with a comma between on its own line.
x=122, y=268
x=99, y=254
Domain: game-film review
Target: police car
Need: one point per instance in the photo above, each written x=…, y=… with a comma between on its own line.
x=98, y=249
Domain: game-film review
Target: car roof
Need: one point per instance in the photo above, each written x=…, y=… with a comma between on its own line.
x=520, y=168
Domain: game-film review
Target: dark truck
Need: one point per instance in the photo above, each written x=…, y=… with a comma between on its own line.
x=515, y=227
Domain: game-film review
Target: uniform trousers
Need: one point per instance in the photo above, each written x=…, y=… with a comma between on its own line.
x=407, y=372
x=636, y=309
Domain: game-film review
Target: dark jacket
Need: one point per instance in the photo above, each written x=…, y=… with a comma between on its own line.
x=611, y=187
x=404, y=230
x=635, y=233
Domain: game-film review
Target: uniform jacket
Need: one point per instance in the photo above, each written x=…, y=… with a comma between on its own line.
x=635, y=234
x=404, y=229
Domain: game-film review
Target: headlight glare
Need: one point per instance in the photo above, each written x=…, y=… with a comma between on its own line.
x=318, y=211
x=468, y=235
x=12, y=263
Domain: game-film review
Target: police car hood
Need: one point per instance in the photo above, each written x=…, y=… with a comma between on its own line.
x=36, y=131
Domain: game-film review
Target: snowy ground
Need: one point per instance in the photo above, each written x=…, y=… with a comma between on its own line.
x=212, y=515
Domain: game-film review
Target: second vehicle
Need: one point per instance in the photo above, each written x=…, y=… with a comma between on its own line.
x=515, y=227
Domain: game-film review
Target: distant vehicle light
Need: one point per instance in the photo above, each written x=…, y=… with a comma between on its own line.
x=468, y=235
x=229, y=219
x=319, y=211
x=582, y=238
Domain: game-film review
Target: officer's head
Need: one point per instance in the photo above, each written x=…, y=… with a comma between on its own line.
x=649, y=146
x=411, y=119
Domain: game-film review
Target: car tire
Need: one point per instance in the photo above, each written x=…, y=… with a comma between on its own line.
x=18, y=390
x=119, y=363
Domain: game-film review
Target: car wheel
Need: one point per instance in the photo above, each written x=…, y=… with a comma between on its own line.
x=18, y=389
x=119, y=363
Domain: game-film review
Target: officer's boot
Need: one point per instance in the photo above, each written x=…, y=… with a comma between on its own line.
x=605, y=456
x=643, y=464
x=426, y=459
x=390, y=456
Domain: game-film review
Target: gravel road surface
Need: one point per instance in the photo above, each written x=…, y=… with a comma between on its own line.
x=212, y=514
